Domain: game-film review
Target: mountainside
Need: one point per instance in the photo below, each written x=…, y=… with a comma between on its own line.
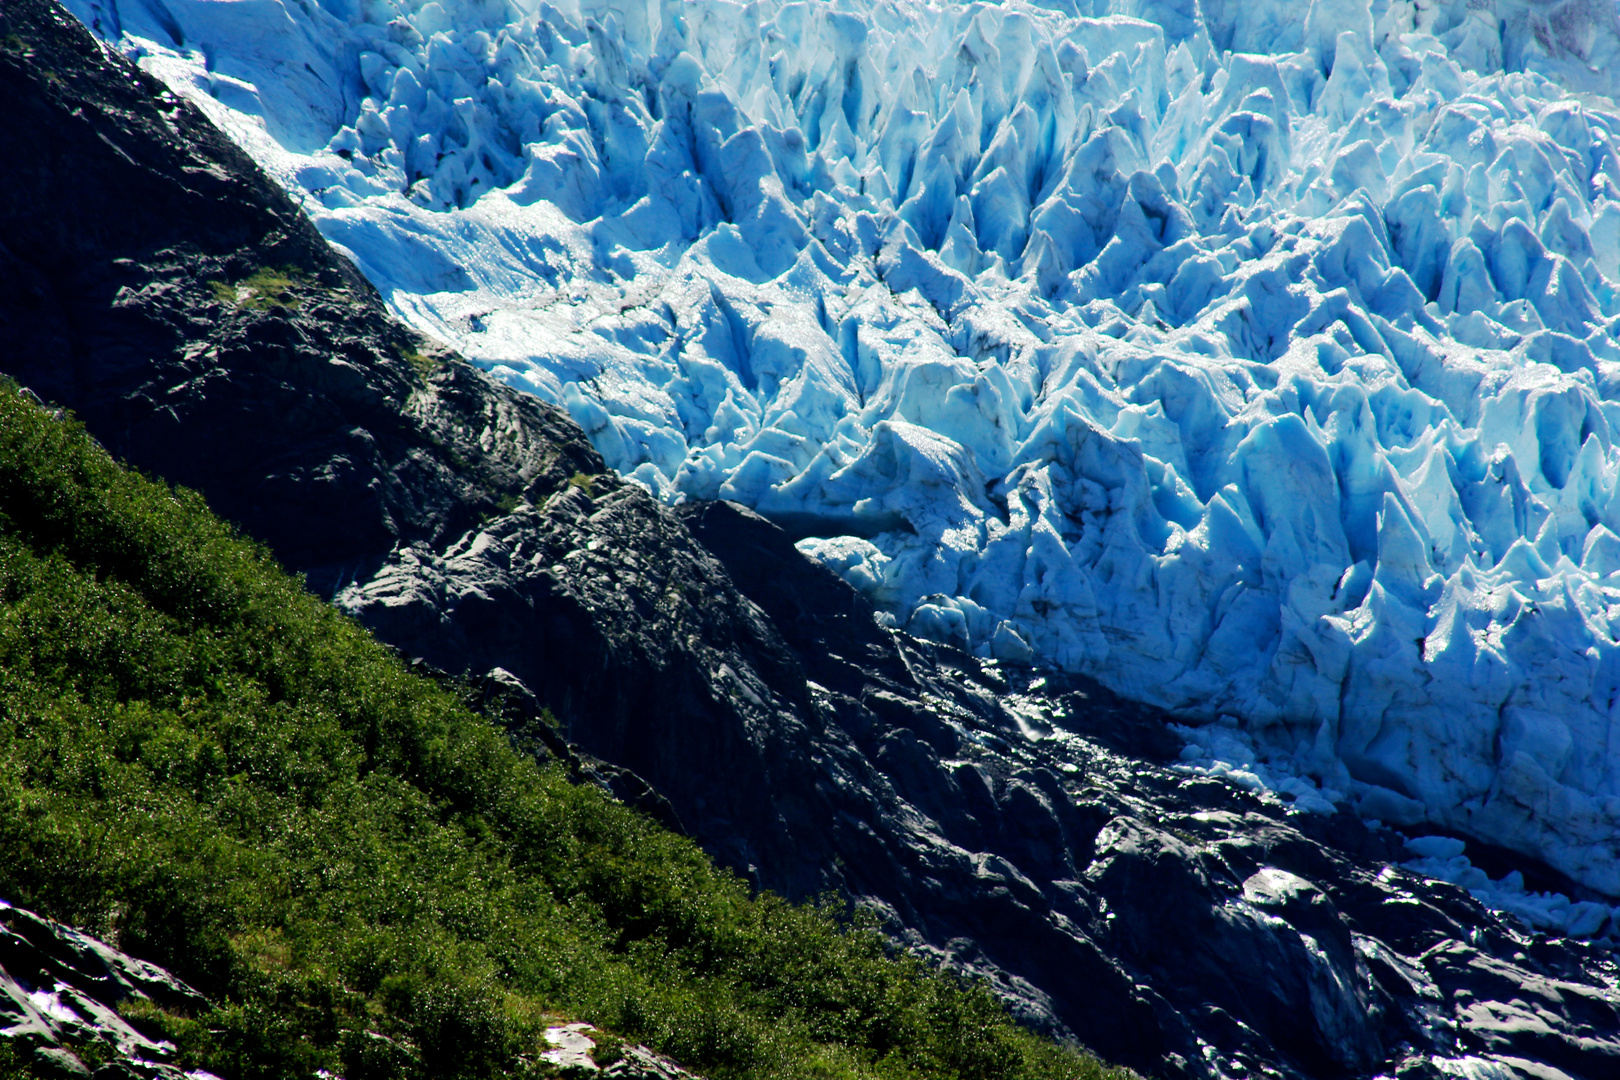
x=1013, y=822
x=1255, y=358
x=137, y=233
x=224, y=775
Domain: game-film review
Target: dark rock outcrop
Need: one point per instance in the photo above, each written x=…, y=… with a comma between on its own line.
x=1014, y=824
x=160, y=285
x=1022, y=826
x=59, y=996
x=632, y=635
x=1145, y=906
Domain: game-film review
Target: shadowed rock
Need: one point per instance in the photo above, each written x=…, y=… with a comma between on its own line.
x=59, y=996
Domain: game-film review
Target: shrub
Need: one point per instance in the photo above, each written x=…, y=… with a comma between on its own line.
x=265, y=288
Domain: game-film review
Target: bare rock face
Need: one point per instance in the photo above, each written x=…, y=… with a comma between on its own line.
x=59, y=997
x=647, y=656
x=1036, y=832
x=159, y=285
x=1011, y=823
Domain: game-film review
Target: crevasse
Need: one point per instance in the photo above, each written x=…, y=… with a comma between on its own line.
x=1257, y=358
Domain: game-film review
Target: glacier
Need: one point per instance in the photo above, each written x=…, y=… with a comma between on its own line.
x=1258, y=359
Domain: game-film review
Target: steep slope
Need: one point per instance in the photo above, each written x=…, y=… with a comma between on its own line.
x=1014, y=824
x=161, y=284
x=1256, y=358
x=233, y=780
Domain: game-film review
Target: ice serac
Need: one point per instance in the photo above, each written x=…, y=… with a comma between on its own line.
x=1258, y=359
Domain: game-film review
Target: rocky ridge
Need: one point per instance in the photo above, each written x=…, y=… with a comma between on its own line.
x=1017, y=825
x=162, y=287
x=60, y=991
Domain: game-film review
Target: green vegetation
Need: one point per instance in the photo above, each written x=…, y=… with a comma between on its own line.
x=425, y=366
x=585, y=482
x=500, y=507
x=203, y=763
x=265, y=288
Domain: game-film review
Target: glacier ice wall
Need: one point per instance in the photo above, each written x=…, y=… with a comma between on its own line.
x=1257, y=358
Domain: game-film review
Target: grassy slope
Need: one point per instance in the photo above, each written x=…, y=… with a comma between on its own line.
x=225, y=776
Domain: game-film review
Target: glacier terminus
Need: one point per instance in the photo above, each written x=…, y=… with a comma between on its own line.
x=1258, y=359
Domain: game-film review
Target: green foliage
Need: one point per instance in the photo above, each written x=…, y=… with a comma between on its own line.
x=609, y=1048
x=425, y=366
x=14, y=1063
x=207, y=765
x=500, y=507
x=585, y=482
x=265, y=288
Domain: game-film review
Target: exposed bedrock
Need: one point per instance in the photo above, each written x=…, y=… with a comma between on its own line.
x=60, y=991
x=156, y=282
x=1022, y=826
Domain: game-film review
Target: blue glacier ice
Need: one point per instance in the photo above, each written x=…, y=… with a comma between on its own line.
x=1256, y=357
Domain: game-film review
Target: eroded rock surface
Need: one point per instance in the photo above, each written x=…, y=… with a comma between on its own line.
x=645, y=653
x=159, y=285
x=59, y=996
x=1049, y=845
